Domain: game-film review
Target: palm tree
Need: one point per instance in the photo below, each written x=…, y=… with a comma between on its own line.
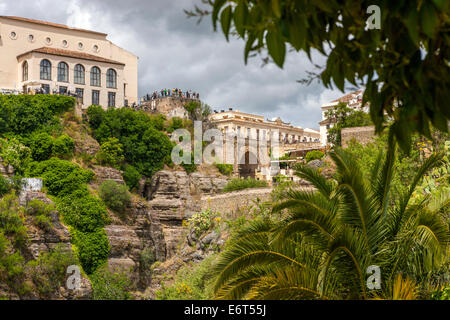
x=325, y=241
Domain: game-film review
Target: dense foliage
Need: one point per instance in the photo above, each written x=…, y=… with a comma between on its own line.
x=403, y=62
x=24, y=114
x=15, y=154
x=107, y=285
x=131, y=176
x=92, y=249
x=327, y=239
x=111, y=153
x=241, y=184
x=225, y=169
x=144, y=145
x=83, y=212
x=192, y=282
x=115, y=196
x=61, y=177
x=341, y=117
x=314, y=155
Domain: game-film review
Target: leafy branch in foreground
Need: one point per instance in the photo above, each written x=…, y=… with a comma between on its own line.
x=403, y=65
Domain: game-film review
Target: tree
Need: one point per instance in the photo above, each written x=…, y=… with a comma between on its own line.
x=115, y=196
x=344, y=117
x=41, y=146
x=15, y=154
x=331, y=236
x=198, y=111
x=111, y=153
x=403, y=65
x=144, y=145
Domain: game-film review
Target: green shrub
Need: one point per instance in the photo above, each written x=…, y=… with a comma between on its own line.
x=92, y=249
x=41, y=213
x=15, y=154
x=5, y=186
x=24, y=114
x=192, y=282
x=225, y=169
x=12, y=221
x=61, y=177
x=95, y=116
x=63, y=146
x=107, y=285
x=111, y=153
x=115, y=196
x=202, y=222
x=131, y=176
x=41, y=145
x=83, y=211
x=241, y=184
x=175, y=123
x=144, y=145
x=314, y=155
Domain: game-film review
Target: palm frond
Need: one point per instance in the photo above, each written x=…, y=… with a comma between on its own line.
x=314, y=177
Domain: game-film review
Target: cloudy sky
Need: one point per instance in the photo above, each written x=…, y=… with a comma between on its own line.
x=176, y=52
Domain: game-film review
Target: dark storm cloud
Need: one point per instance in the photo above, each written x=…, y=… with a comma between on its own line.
x=176, y=52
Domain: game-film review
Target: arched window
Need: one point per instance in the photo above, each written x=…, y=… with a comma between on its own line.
x=46, y=70
x=111, y=78
x=78, y=77
x=96, y=77
x=63, y=72
x=25, y=71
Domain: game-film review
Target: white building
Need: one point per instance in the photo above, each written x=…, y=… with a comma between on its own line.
x=56, y=58
x=353, y=100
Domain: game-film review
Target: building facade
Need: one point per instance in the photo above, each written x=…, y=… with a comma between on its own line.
x=273, y=135
x=57, y=59
x=353, y=100
x=255, y=125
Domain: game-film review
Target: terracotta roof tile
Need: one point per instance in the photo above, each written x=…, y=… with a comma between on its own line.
x=348, y=97
x=71, y=54
x=51, y=24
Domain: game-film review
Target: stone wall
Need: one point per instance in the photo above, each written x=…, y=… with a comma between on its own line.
x=363, y=135
x=229, y=203
x=286, y=147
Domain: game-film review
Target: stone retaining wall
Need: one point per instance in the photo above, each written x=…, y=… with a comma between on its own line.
x=229, y=203
x=363, y=135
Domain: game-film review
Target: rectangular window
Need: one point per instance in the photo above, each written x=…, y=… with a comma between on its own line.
x=111, y=99
x=62, y=90
x=96, y=97
x=80, y=94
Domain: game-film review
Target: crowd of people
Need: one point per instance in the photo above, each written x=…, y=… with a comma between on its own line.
x=175, y=92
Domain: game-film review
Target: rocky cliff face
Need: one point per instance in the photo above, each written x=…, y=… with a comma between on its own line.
x=41, y=241
x=153, y=230
x=174, y=197
x=136, y=243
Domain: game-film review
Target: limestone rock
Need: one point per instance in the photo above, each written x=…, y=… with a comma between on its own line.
x=106, y=173
x=315, y=163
